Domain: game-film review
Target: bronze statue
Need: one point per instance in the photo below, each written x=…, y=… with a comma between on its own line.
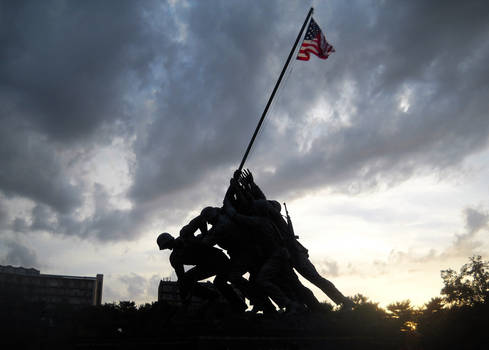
x=208, y=261
x=259, y=241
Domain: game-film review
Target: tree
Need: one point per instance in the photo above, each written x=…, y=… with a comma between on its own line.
x=404, y=313
x=436, y=304
x=470, y=286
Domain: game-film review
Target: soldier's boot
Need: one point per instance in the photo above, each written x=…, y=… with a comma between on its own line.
x=347, y=304
x=333, y=293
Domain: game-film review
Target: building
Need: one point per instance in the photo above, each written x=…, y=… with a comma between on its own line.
x=20, y=284
x=169, y=292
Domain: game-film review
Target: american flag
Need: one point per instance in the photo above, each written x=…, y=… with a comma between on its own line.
x=315, y=43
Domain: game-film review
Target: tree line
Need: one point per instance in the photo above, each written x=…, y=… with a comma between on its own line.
x=458, y=318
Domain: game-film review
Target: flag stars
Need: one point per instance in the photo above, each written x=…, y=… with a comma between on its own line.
x=315, y=43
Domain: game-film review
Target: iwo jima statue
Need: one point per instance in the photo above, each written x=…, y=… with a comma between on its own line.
x=255, y=236
x=259, y=241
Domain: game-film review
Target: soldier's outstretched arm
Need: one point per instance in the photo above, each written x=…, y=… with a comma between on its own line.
x=230, y=195
x=234, y=196
x=197, y=223
x=255, y=190
x=244, y=199
x=180, y=271
x=177, y=266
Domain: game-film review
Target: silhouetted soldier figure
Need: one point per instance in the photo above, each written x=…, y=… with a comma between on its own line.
x=245, y=255
x=298, y=253
x=275, y=275
x=228, y=236
x=300, y=260
x=208, y=261
x=243, y=193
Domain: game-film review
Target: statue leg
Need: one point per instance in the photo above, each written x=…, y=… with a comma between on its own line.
x=292, y=286
x=270, y=272
x=191, y=279
x=305, y=267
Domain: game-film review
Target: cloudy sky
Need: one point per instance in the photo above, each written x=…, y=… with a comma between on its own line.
x=123, y=119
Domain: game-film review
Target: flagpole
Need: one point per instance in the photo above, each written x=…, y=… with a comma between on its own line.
x=274, y=90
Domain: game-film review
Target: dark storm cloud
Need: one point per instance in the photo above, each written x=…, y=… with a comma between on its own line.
x=431, y=53
x=3, y=216
x=64, y=64
x=211, y=96
x=30, y=168
x=106, y=224
x=476, y=220
x=18, y=255
x=69, y=71
x=184, y=85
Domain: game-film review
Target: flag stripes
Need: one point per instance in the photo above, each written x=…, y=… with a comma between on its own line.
x=315, y=43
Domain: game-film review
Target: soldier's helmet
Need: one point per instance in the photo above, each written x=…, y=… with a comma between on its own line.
x=209, y=213
x=164, y=240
